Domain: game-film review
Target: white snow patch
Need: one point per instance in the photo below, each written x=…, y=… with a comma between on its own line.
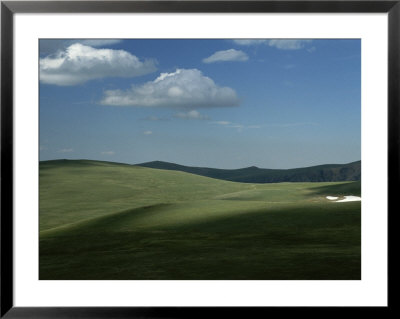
x=332, y=197
x=345, y=199
x=349, y=199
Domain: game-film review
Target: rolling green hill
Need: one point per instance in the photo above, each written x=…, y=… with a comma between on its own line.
x=320, y=173
x=102, y=220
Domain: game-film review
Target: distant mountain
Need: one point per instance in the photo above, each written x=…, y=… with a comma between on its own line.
x=253, y=174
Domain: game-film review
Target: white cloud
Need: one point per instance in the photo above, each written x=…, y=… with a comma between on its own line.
x=191, y=115
x=50, y=46
x=108, y=153
x=236, y=125
x=99, y=42
x=222, y=122
x=80, y=63
x=288, y=44
x=249, y=42
x=147, y=132
x=184, y=88
x=227, y=55
x=66, y=150
x=239, y=127
x=281, y=44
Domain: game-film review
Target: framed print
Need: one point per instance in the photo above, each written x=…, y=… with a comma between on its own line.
x=190, y=158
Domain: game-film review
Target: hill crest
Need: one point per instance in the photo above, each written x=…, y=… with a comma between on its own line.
x=253, y=174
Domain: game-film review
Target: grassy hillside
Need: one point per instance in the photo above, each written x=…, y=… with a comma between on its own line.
x=102, y=220
x=320, y=173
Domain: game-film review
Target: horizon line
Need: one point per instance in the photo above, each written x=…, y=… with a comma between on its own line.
x=251, y=166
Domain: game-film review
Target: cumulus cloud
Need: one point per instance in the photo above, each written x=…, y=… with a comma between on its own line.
x=281, y=44
x=191, y=115
x=48, y=46
x=184, y=88
x=99, y=42
x=79, y=63
x=227, y=55
x=147, y=132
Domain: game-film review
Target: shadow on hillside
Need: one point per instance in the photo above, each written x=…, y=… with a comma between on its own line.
x=345, y=189
x=312, y=242
x=109, y=222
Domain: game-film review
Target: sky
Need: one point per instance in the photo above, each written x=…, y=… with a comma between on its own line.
x=223, y=103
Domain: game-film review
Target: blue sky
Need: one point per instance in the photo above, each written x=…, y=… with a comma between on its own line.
x=216, y=103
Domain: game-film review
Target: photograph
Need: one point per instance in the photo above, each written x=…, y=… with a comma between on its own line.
x=199, y=159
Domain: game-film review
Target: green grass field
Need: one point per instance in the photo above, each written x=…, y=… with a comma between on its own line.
x=102, y=220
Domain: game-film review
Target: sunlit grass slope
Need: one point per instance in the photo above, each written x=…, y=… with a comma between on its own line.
x=102, y=220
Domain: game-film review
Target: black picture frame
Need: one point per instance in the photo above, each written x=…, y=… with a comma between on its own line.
x=9, y=8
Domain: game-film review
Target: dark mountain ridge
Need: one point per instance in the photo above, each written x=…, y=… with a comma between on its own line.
x=253, y=174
